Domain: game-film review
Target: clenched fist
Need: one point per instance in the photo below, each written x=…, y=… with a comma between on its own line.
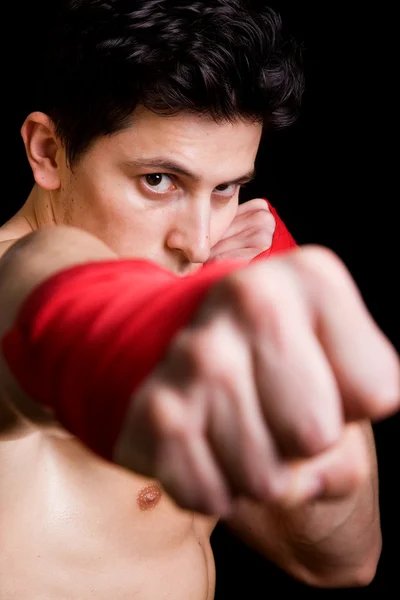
x=280, y=357
x=250, y=233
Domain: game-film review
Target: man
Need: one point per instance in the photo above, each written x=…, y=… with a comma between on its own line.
x=153, y=376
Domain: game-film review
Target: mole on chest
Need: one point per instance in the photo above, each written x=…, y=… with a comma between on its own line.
x=149, y=496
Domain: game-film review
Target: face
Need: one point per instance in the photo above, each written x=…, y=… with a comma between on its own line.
x=165, y=189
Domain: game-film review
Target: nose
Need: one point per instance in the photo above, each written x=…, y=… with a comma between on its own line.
x=190, y=233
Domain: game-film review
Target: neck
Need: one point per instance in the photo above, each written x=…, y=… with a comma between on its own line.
x=37, y=212
x=38, y=209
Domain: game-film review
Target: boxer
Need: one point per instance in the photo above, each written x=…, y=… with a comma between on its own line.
x=169, y=357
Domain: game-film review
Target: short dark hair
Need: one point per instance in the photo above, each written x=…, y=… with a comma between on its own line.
x=225, y=58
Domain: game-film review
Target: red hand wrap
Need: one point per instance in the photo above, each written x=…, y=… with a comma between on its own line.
x=86, y=338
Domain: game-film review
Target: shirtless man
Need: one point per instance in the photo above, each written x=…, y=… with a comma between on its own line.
x=138, y=403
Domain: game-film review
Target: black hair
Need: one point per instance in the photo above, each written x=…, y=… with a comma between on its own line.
x=225, y=58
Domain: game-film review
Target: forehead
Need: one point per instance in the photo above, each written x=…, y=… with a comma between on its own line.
x=197, y=141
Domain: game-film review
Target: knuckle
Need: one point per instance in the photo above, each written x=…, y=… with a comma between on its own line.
x=207, y=351
x=265, y=217
x=258, y=204
x=377, y=407
x=310, y=437
x=261, y=220
x=262, y=237
x=322, y=263
x=313, y=253
x=256, y=290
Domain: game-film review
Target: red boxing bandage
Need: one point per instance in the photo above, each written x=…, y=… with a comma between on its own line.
x=87, y=337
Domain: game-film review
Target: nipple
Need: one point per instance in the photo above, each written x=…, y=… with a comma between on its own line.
x=149, y=496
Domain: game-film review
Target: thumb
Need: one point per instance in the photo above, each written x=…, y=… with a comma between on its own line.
x=337, y=472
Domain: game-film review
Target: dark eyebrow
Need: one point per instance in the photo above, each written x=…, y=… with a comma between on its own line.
x=162, y=165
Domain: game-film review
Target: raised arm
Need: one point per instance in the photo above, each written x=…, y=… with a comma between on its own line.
x=231, y=382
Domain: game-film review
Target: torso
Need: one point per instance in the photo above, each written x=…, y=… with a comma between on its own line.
x=73, y=527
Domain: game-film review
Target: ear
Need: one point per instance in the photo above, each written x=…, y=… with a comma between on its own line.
x=43, y=150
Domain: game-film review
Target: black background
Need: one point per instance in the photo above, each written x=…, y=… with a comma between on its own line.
x=333, y=179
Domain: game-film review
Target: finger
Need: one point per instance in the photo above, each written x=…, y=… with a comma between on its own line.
x=156, y=412
x=365, y=363
x=341, y=470
x=295, y=383
x=254, y=204
x=243, y=448
x=173, y=424
x=246, y=216
x=236, y=427
x=245, y=254
x=239, y=433
x=232, y=242
x=190, y=475
x=252, y=238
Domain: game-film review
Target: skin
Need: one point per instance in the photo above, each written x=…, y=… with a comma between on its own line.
x=56, y=510
x=107, y=193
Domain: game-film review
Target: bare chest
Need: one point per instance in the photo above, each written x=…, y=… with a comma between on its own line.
x=73, y=527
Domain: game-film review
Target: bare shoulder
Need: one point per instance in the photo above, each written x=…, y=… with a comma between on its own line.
x=50, y=249
x=5, y=245
x=11, y=232
x=30, y=259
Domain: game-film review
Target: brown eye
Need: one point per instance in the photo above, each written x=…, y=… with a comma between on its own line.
x=154, y=179
x=226, y=189
x=159, y=183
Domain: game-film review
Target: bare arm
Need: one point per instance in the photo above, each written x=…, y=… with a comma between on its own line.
x=334, y=541
x=24, y=264
x=27, y=262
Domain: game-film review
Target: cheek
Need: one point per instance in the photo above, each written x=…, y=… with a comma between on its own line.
x=98, y=200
